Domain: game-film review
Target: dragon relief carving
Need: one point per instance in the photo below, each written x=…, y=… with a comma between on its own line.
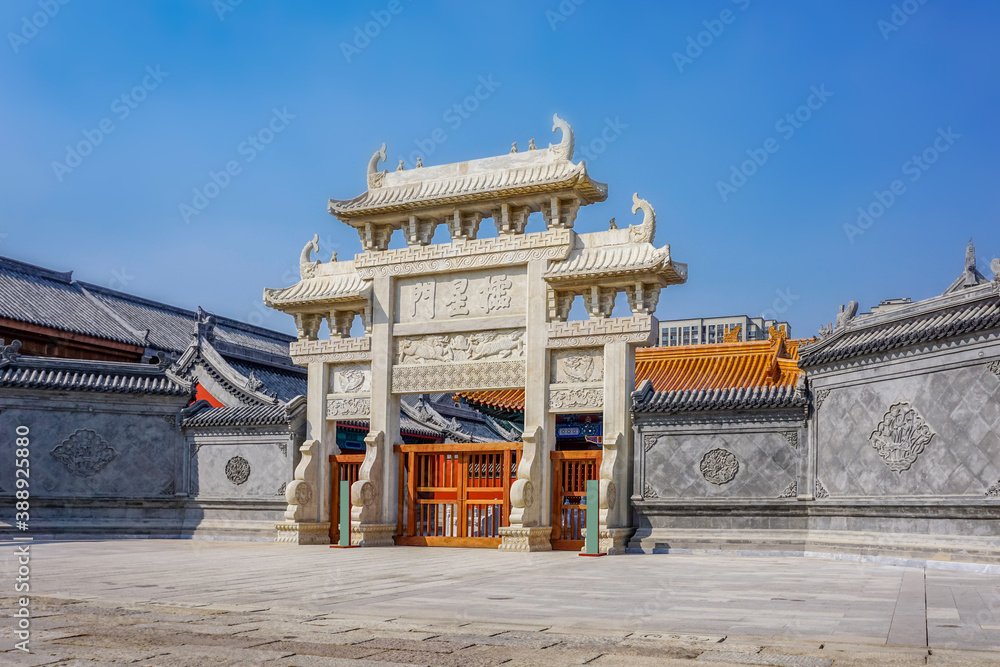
x=348, y=408
x=563, y=399
x=84, y=453
x=237, y=470
x=578, y=366
x=719, y=466
x=646, y=231
x=483, y=346
x=901, y=437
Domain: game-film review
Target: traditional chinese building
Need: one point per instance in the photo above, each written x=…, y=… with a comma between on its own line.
x=469, y=315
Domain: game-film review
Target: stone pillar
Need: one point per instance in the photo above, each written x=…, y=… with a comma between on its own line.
x=307, y=518
x=529, y=529
x=616, y=462
x=373, y=496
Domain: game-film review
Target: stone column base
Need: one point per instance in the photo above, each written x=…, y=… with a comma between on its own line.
x=297, y=532
x=526, y=538
x=613, y=541
x=373, y=534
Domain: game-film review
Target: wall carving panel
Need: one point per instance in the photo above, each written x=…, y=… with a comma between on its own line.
x=84, y=453
x=457, y=377
x=351, y=379
x=900, y=437
x=719, y=466
x=348, y=407
x=580, y=398
x=238, y=470
x=448, y=348
x=578, y=365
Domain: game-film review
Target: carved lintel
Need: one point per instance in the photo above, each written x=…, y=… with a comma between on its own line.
x=464, y=226
x=510, y=219
x=348, y=407
x=600, y=301
x=375, y=237
x=419, y=231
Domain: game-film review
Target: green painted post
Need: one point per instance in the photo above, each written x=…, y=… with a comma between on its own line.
x=593, y=518
x=345, y=513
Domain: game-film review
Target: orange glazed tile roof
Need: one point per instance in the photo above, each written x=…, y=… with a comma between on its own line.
x=766, y=368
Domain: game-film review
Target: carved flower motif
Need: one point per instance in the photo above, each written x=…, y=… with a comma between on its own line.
x=238, y=470
x=84, y=453
x=900, y=437
x=719, y=466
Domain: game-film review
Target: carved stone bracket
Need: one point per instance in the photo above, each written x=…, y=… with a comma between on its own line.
x=299, y=493
x=464, y=226
x=419, y=231
x=307, y=325
x=600, y=301
x=560, y=213
x=560, y=303
x=511, y=219
x=366, y=496
x=642, y=298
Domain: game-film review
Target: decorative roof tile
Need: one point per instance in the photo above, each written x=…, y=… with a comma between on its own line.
x=96, y=376
x=242, y=415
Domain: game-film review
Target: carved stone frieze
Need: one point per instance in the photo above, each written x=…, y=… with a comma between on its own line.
x=457, y=377
x=719, y=466
x=791, y=491
x=84, y=453
x=505, y=250
x=334, y=350
x=481, y=346
x=237, y=470
x=578, y=366
x=901, y=436
x=348, y=407
x=638, y=329
x=576, y=399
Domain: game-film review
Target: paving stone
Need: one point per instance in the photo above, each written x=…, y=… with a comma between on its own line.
x=423, y=646
x=347, y=651
x=776, y=659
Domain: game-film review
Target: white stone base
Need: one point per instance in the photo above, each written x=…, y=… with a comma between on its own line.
x=613, y=541
x=373, y=534
x=522, y=539
x=293, y=532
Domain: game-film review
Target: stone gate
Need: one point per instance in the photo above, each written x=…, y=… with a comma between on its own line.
x=473, y=314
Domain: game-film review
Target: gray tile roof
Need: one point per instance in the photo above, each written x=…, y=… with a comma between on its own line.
x=254, y=415
x=951, y=315
x=285, y=385
x=645, y=399
x=95, y=376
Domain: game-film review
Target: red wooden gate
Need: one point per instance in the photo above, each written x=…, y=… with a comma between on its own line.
x=570, y=473
x=455, y=495
x=342, y=467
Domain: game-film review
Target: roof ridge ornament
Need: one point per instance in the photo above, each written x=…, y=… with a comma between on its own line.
x=307, y=267
x=205, y=325
x=375, y=177
x=9, y=352
x=644, y=232
x=845, y=316
x=564, y=149
x=995, y=268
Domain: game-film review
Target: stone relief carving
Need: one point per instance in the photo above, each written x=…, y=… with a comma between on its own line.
x=791, y=491
x=994, y=367
x=307, y=267
x=483, y=346
x=281, y=489
x=900, y=437
x=423, y=300
x=375, y=177
x=496, y=294
x=283, y=446
x=237, y=470
x=457, y=377
x=456, y=302
x=820, y=396
x=719, y=466
x=562, y=399
x=84, y=453
x=578, y=366
x=600, y=332
x=253, y=382
x=821, y=491
x=792, y=437
x=169, y=489
x=350, y=380
x=348, y=408
x=994, y=491
x=648, y=491
x=649, y=440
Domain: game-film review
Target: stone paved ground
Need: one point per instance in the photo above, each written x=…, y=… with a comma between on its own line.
x=182, y=602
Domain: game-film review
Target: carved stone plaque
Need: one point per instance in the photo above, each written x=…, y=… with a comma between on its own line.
x=84, y=453
x=238, y=470
x=351, y=379
x=719, y=466
x=470, y=294
x=576, y=399
x=348, y=407
x=578, y=365
x=463, y=347
x=900, y=437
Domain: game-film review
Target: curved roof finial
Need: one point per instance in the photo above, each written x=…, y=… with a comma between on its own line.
x=307, y=267
x=564, y=148
x=642, y=233
x=374, y=175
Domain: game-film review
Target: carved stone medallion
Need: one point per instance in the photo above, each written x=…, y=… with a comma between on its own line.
x=84, y=453
x=237, y=470
x=719, y=466
x=900, y=437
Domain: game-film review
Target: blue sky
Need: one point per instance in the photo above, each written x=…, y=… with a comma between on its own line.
x=685, y=91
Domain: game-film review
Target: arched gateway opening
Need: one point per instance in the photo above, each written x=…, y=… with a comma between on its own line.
x=472, y=315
